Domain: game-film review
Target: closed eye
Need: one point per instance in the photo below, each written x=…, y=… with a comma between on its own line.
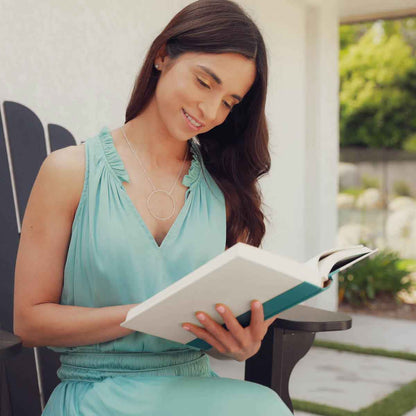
x=203, y=83
x=207, y=86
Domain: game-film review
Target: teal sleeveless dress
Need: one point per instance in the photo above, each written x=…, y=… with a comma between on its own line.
x=113, y=259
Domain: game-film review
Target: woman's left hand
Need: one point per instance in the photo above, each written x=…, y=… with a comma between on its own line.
x=238, y=343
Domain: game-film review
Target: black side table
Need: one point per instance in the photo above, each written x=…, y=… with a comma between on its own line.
x=10, y=345
x=288, y=339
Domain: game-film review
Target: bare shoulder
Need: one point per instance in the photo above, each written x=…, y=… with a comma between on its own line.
x=63, y=172
x=67, y=158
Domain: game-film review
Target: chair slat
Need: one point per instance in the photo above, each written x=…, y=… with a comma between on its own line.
x=59, y=137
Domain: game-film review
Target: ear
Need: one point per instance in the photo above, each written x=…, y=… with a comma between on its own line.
x=161, y=57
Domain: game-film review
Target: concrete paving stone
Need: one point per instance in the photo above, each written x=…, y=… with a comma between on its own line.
x=347, y=380
x=375, y=332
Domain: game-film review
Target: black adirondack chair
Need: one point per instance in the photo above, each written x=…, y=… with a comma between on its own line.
x=28, y=379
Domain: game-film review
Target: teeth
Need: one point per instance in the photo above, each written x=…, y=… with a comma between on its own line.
x=191, y=119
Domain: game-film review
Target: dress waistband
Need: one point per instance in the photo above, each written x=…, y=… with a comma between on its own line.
x=96, y=366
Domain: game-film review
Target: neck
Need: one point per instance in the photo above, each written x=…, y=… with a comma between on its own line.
x=150, y=138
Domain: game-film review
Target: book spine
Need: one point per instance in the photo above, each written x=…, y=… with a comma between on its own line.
x=272, y=307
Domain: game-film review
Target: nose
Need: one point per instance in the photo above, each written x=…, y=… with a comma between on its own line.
x=210, y=108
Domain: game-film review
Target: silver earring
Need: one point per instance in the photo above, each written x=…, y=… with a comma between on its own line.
x=157, y=66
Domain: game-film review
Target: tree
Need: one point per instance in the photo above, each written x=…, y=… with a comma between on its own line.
x=377, y=87
x=350, y=34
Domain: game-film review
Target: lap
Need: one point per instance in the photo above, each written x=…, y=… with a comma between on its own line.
x=165, y=395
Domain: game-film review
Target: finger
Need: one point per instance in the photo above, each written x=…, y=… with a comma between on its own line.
x=257, y=320
x=205, y=335
x=220, y=333
x=231, y=322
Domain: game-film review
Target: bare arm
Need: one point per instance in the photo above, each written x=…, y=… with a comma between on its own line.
x=63, y=325
x=39, y=319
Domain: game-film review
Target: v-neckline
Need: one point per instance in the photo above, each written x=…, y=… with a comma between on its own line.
x=125, y=177
x=168, y=235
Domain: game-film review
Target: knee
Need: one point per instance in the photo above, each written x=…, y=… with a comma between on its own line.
x=269, y=399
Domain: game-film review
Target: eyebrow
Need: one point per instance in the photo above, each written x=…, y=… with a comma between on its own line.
x=216, y=79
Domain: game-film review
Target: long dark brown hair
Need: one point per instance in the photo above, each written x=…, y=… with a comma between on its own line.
x=236, y=152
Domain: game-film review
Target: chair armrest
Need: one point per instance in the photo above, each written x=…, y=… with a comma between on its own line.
x=288, y=339
x=309, y=319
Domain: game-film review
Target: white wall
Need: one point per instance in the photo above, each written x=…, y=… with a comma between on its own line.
x=74, y=63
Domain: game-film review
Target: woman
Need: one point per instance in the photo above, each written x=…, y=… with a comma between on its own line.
x=114, y=220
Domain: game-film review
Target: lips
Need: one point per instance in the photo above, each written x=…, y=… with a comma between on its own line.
x=198, y=121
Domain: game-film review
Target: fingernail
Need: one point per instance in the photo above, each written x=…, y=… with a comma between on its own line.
x=186, y=327
x=220, y=309
x=257, y=305
x=200, y=316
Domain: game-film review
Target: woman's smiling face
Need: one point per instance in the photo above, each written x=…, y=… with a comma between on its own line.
x=205, y=86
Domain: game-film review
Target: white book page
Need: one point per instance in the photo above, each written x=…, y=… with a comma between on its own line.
x=313, y=262
x=325, y=265
x=323, y=262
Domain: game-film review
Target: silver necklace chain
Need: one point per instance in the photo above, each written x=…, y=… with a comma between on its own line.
x=155, y=190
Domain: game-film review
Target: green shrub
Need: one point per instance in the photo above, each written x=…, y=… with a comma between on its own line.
x=370, y=182
x=383, y=272
x=409, y=264
x=401, y=188
x=355, y=192
x=410, y=144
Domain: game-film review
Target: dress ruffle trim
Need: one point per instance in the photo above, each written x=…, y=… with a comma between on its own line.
x=195, y=169
x=117, y=165
x=112, y=156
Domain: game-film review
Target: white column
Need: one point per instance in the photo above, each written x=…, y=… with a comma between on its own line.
x=321, y=136
x=302, y=110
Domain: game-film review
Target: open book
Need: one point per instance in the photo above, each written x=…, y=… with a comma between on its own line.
x=236, y=277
